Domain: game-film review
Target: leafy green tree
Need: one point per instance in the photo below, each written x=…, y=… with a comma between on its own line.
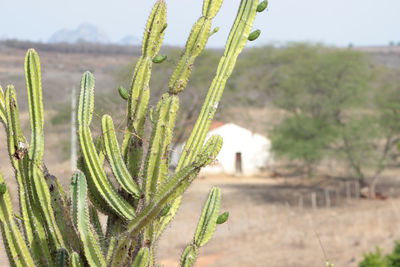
x=338, y=105
x=301, y=137
x=318, y=87
x=369, y=142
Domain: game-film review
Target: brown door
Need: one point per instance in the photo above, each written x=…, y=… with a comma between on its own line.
x=238, y=162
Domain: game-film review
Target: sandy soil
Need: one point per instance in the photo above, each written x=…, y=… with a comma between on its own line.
x=261, y=233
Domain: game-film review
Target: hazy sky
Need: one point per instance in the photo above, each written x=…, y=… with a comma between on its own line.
x=339, y=22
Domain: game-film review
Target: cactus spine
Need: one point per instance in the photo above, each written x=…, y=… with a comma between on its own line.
x=55, y=229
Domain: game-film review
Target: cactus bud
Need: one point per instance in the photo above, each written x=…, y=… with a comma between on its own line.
x=159, y=58
x=165, y=210
x=123, y=93
x=3, y=188
x=262, y=6
x=254, y=35
x=164, y=28
x=223, y=218
x=214, y=31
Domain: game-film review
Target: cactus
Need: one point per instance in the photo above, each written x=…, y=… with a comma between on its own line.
x=53, y=228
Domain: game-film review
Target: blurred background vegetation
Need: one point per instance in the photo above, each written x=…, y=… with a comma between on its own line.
x=328, y=104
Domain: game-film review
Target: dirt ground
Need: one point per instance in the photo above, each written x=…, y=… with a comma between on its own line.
x=261, y=233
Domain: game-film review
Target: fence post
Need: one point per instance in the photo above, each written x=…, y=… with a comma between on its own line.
x=348, y=191
x=314, y=200
x=357, y=189
x=301, y=202
x=327, y=198
x=337, y=195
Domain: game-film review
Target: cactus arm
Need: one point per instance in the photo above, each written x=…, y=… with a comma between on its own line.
x=138, y=100
x=2, y=108
x=142, y=259
x=34, y=87
x=208, y=220
x=38, y=183
x=114, y=157
x=235, y=44
x=75, y=260
x=156, y=167
x=17, y=146
x=17, y=248
x=211, y=8
x=194, y=46
x=94, y=195
x=102, y=186
x=205, y=228
x=81, y=219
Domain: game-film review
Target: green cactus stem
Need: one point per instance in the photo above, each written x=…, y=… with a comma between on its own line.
x=131, y=183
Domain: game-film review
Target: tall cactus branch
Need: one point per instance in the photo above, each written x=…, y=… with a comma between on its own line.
x=132, y=147
x=102, y=185
x=234, y=46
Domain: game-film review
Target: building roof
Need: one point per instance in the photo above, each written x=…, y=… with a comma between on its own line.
x=216, y=124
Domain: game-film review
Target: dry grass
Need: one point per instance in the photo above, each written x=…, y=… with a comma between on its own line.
x=278, y=235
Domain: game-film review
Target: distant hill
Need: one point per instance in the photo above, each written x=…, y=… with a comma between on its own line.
x=84, y=33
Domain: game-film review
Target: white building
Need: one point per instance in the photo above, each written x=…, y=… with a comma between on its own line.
x=243, y=152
